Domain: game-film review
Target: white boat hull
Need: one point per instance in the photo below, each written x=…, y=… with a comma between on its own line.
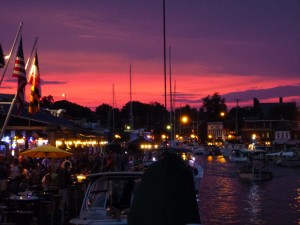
x=255, y=176
x=237, y=159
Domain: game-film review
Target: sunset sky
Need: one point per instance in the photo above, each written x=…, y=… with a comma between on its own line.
x=239, y=48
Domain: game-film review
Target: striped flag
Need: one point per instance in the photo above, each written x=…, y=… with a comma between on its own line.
x=20, y=73
x=34, y=79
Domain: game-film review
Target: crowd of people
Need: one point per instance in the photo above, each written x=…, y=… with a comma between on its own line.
x=22, y=173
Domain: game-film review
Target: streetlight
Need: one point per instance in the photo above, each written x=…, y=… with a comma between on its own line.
x=191, y=125
x=184, y=119
x=64, y=95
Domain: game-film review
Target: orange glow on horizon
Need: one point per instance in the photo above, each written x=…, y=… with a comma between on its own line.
x=92, y=89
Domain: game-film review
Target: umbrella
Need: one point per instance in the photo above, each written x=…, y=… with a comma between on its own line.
x=46, y=151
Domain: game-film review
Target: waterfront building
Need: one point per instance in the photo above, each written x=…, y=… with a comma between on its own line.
x=26, y=131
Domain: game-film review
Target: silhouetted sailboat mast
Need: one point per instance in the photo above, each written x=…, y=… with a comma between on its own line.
x=171, y=94
x=174, y=107
x=165, y=54
x=113, y=108
x=130, y=99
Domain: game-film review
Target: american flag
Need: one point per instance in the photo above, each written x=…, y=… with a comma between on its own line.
x=34, y=79
x=20, y=73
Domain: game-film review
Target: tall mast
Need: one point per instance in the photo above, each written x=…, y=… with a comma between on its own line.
x=165, y=60
x=174, y=107
x=113, y=108
x=171, y=103
x=130, y=97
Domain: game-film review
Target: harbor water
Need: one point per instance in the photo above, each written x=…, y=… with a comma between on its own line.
x=225, y=199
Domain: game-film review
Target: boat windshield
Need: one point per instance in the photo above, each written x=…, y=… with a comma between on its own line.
x=98, y=199
x=110, y=192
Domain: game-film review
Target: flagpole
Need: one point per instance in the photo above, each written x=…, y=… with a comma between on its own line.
x=33, y=48
x=11, y=51
x=14, y=99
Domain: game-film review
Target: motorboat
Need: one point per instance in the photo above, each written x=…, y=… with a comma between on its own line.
x=291, y=160
x=149, y=157
x=281, y=154
x=225, y=151
x=200, y=151
x=227, y=148
x=185, y=153
x=213, y=150
x=108, y=198
x=238, y=155
x=256, y=166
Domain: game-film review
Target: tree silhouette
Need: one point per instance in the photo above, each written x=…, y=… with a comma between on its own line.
x=47, y=101
x=109, y=116
x=214, y=105
x=73, y=110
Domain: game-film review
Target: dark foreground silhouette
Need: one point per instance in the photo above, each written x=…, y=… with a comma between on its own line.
x=166, y=195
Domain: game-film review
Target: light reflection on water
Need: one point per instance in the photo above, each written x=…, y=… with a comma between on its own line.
x=254, y=201
x=296, y=206
x=225, y=199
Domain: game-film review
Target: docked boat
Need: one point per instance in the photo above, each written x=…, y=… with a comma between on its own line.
x=227, y=148
x=200, y=151
x=291, y=160
x=238, y=155
x=226, y=151
x=256, y=166
x=108, y=198
x=280, y=154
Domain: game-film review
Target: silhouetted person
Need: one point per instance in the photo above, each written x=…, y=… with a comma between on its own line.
x=166, y=195
x=64, y=180
x=4, y=172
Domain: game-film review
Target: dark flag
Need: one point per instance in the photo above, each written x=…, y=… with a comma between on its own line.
x=34, y=79
x=20, y=73
x=2, y=61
